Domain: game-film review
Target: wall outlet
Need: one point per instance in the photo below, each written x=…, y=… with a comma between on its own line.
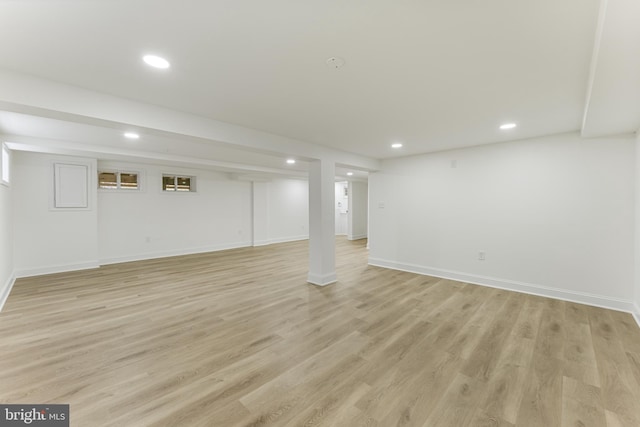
x=481, y=255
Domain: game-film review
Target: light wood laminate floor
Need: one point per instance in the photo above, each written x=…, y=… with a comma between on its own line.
x=237, y=338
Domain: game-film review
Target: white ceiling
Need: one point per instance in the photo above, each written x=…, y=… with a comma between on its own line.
x=434, y=75
x=613, y=103
x=54, y=132
x=63, y=137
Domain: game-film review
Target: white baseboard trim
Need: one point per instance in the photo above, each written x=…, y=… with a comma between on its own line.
x=179, y=252
x=617, y=304
x=6, y=290
x=322, y=280
x=280, y=240
x=289, y=239
x=357, y=237
x=52, y=269
x=636, y=313
x=144, y=256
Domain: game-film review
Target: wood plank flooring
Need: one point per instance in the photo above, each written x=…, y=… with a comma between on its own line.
x=237, y=338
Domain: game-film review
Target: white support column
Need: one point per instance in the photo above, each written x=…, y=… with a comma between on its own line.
x=322, y=251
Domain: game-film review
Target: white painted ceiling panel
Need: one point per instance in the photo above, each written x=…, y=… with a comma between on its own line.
x=434, y=75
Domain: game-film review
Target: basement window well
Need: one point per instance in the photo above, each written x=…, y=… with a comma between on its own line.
x=180, y=184
x=109, y=180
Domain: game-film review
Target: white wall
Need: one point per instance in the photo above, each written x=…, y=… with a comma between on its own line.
x=47, y=240
x=260, y=192
x=358, y=210
x=554, y=215
x=341, y=208
x=223, y=213
x=151, y=223
x=123, y=226
x=6, y=240
x=288, y=207
x=637, y=233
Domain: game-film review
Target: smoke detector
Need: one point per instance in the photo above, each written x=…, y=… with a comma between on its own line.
x=335, y=62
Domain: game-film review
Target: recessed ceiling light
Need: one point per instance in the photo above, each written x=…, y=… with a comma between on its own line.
x=291, y=161
x=350, y=173
x=156, y=61
x=131, y=135
x=507, y=126
x=396, y=145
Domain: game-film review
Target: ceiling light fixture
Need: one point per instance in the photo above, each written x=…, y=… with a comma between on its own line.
x=291, y=161
x=156, y=61
x=507, y=126
x=396, y=145
x=350, y=173
x=131, y=135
